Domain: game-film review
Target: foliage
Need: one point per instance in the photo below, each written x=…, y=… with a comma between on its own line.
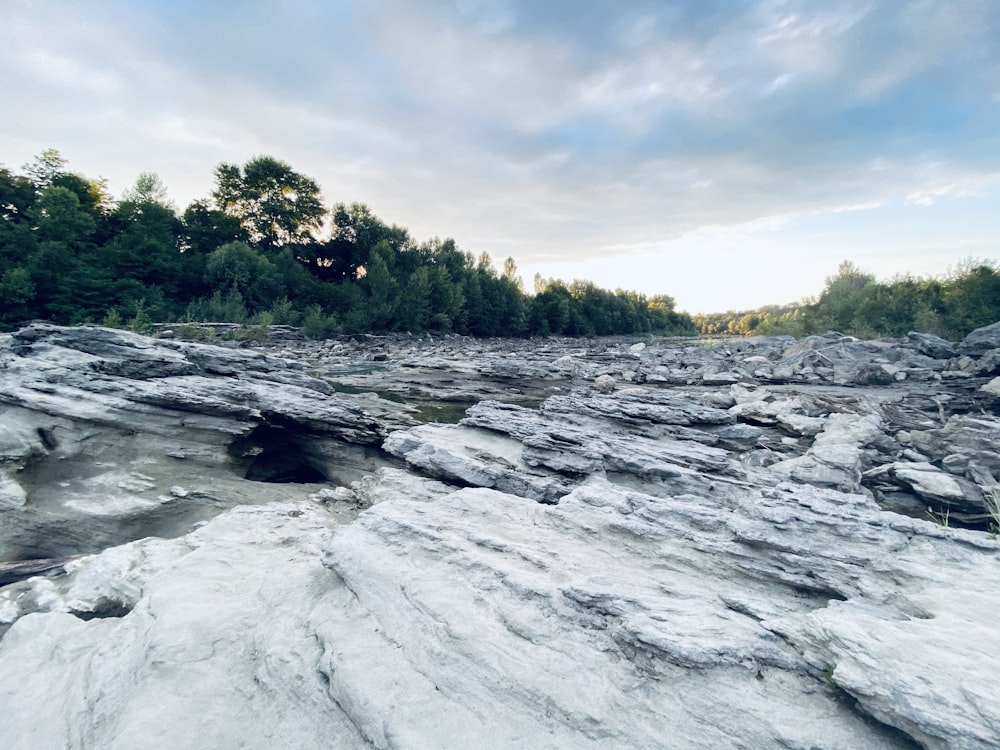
x=856, y=303
x=991, y=499
x=318, y=325
x=274, y=204
x=252, y=254
x=113, y=319
x=141, y=321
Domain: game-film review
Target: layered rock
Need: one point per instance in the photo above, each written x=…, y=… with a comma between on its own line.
x=697, y=556
x=107, y=436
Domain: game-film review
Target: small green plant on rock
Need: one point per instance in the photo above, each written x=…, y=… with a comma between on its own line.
x=113, y=319
x=141, y=323
x=991, y=499
x=941, y=517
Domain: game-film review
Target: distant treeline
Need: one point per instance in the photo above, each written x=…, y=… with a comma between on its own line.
x=856, y=303
x=263, y=249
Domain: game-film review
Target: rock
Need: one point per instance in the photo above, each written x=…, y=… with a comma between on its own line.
x=992, y=388
x=981, y=340
x=929, y=483
x=962, y=434
x=12, y=494
x=834, y=460
x=931, y=345
x=604, y=384
x=438, y=602
x=562, y=568
x=96, y=425
x=203, y=640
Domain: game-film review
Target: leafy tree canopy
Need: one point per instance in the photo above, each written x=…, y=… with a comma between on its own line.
x=274, y=204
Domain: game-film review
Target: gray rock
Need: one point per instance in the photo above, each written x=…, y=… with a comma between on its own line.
x=653, y=567
x=97, y=424
x=931, y=345
x=981, y=340
x=576, y=625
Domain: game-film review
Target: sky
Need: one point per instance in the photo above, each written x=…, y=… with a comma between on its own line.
x=728, y=153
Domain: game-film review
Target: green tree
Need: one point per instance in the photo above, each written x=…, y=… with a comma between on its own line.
x=238, y=267
x=45, y=167
x=378, y=308
x=972, y=298
x=414, y=308
x=17, y=290
x=843, y=295
x=275, y=204
x=207, y=229
x=148, y=189
x=59, y=217
x=355, y=233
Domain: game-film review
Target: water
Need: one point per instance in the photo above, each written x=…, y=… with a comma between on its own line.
x=444, y=412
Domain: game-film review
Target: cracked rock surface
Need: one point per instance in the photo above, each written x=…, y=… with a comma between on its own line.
x=729, y=547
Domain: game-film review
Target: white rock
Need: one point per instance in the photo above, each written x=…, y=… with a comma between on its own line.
x=604, y=384
x=928, y=482
x=992, y=388
x=12, y=494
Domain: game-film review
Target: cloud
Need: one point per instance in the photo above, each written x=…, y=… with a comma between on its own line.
x=557, y=130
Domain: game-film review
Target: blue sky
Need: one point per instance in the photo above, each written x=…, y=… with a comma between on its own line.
x=728, y=153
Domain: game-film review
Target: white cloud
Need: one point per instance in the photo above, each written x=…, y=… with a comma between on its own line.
x=539, y=130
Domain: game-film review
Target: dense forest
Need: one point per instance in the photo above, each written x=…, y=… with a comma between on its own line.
x=855, y=302
x=263, y=249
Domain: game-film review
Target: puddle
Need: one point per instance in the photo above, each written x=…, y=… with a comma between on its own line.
x=444, y=412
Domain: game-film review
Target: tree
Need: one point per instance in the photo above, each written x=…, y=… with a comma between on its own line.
x=207, y=229
x=147, y=189
x=238, y=267
x=275, y=204
x=355, y=233
x=378, y=308
x=45, y=168
x=60, y=217
x=972, y=299
x=16, y=291
x=17, y=196
x=843, y=295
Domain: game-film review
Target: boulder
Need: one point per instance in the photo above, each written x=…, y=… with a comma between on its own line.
x=931, y=345
x=981, y=340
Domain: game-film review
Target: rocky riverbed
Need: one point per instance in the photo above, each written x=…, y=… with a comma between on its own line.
x=394, y=542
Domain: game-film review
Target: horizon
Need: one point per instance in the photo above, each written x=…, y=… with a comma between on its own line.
x=730, y=159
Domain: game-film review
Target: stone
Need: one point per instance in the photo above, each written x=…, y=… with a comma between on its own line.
x=981, y=340
x=834, y=459
x=673, y=563
x=437, y=602
x=992, y=388
x=928, y=483
x=604, y=384
x=931, y=345
x=96, y=426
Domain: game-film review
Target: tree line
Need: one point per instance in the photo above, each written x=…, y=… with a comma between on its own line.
x=855, y=302
x=263, y=248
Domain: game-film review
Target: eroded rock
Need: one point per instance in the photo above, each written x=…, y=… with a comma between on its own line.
x=698, y=557
x=96, y=425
